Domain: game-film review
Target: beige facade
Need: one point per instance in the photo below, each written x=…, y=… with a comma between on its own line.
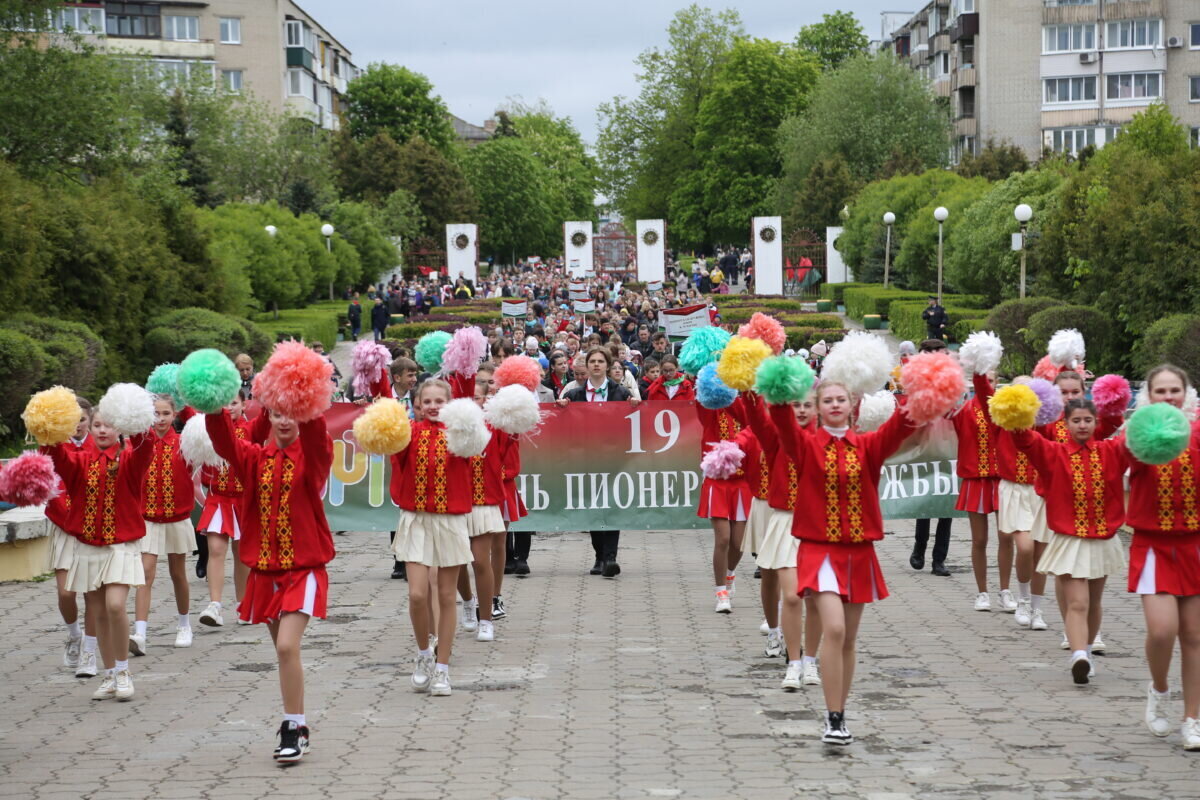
x=1055, y=74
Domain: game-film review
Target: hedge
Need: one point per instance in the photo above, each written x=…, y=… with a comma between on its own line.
x=959, y=331
x=905, y=322
x=807, y=337
x=874, y=299
x=1171, y=340
x=1009, y=321
x=71, y=352
x=312, y=324
x=21, y=368
x=173, y=335
x=1103, y=351
x=415, y=330
x=836, y=291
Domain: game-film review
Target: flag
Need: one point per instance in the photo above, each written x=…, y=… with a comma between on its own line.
x=577, y=286
x=654, y=286
x=585, y=306
x=679, y=322
x=513, y=308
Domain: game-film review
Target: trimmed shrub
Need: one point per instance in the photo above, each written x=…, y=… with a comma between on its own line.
x=175, y=334
x=905, y=322
x=415, y=330
x=21, y=369
x=1009, y=320
x=807, y=337
x=71, y=351
x=809, y=319
x=959, y=331
x=1103, y=354
x=836, y=291
x=1171, y=340
x=875, y=300
x=312, y=324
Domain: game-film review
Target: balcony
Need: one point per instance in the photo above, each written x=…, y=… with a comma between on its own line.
x=966, y=126
x=940, y=43
x=966, y=26
x=963, y=78
x=299, y=57
x=161, y=48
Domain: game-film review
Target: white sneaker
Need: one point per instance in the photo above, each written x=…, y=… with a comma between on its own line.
x=774, y=645
x=1036, y=621
x=1024, y=613
x=1098, y=645
x=469, y=616
x=1156, y=716
x=87, y=665
x=983, y=602
x=243, y=621
x=137, y=644
x=124, y=688
x=107, y=690
x=812, y=674
x=1065, y=645
x=724, y=604
x=440, y=685
x=1081, y=669
x=71, y=651
x=1008, y=603
x=422, y=669
x=764, y=628
x=791, y=680
x=1191, y=734
x=487, y=631
x=183, y=637
x=212, y=616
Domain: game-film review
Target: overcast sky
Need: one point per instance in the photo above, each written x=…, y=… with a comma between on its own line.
x=574, y=55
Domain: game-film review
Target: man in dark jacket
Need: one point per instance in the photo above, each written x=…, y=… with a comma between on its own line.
x=379, y=318
x=729, y=265
x=936, y=319
x=354, y=314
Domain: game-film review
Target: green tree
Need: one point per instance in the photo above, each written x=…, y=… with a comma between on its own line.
x=439, y=185
x=181, y=137
x=359, y=225
x=401, y=215
x=916, y=260
x=510, y=184
x=995, y=162
x=834, y=39
x=829, y=188
x=556, y=144
x=394, y=99
x=368, y=170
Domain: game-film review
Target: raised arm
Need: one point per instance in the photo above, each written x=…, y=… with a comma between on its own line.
x=885, y=441
x=1039, y=449
x=318, y=450
x=789, y=432
x=142, y=449
x=226, y=444
x=764, y=429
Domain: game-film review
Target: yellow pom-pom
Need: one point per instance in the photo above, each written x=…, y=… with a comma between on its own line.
x=740, y=361
x=383, y=428
x=51, y=416
x=1014, y=408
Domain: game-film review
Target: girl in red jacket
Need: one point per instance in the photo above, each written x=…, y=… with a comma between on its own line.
x=838, y=523
x=670, y=383
x=1085, y=504
x=725, y=502
x=286, y=542
x=168, y=496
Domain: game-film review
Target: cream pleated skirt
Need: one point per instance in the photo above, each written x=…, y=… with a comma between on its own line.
x=778, y=547
x=62, y=548
x=1040, y=532
x=756, y=525
x=169, y=538
x=94, y=567
x=484, y=519
x=1083, y=558
x=435, y=540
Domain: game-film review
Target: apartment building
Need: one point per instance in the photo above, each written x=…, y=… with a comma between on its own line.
x=1055, y=74
x=271, y=48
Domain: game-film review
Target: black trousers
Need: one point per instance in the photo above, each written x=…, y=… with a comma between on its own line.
x=941, y=539
x=605, y=544
x=521, y=543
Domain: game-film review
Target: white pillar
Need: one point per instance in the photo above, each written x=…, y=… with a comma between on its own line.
x=577, y=248
x=767, y=242
x=462, y=251
x=651, y=249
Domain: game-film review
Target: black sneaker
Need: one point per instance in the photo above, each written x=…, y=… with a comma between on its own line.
x=758, y=573
x=835, y=729
x=398, y=571
x=498, y=611
x=521, y=568
x=293, y=742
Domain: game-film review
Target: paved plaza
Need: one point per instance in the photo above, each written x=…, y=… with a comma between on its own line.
x=629, y=688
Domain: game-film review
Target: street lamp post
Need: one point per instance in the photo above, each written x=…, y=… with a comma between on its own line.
x=327, y=232
x=889, y=219
x=940, y=213
x=1023, y=213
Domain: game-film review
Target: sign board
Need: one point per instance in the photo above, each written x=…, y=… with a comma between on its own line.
x=513, y=308
x=679, y=322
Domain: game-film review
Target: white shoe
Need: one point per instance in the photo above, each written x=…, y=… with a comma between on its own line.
x=1098, y=645
x=1081, y=669
x=1008, y=603
x=124, y=688
x=1024, y=613
x=1156, y=716
x=487, y=632
x=983, y=602
x=1036, y=621
x=422, y=668
x=724, y=604
x=107, y=690
x=212, y=616
x=791, y=680
x=469, y=616
x=243, y=621
x=764, y=628
x=812, y=675
x=1065, y=645
x=774, y=646
x=71, y=651
x=183, y=637
x=87, y=665
x=440, y=685
x=1191, y=734
x=137, y=644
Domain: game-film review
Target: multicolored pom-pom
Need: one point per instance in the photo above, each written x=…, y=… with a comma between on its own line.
x=466, y=433
x=1049, y=396
x=383, y=428
x=1158, y=433
x=711, y=391
x=934, y=384
x=28, y=480
x=295, y=382
x=518, y=371
x=766, y=328
x=740, y=360
x=430, y=349
x=1111, y=394
x=703, y=346
x=1014, y=407
x=1045, y=369
x=208, y=381
x=52, y=415
x=781, y=379
x=369, y=361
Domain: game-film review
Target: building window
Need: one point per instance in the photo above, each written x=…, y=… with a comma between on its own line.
x=1068, y=38
x=133, y=19
x=231, y=30
x=1133, y=85
x=1195, y=137
x=295, y=33
x=1194, y=95
x=181, y=29
x=1070, y=90
x=301, y=84
x=1195, y=28
x=83, y=20
x=1072, y=140
x=232, y=79
x=173, y=72
x=1133, y=33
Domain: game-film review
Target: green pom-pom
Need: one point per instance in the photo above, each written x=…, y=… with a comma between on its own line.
x=782, y=379
x=1158, y=433
x=703, y=347
x=430, y=349
x=164, y=380
x=208, y=381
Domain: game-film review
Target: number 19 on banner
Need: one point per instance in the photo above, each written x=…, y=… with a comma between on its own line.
x=666, y=426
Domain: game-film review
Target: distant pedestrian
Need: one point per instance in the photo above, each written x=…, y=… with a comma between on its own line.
x=936, y=319
x=379, y=318
x=354, y=314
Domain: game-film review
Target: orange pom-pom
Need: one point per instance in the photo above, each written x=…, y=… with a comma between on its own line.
x=296, y=382
x=766, y=328
x=934, y=384
x=1046, y=369
x=519, y=371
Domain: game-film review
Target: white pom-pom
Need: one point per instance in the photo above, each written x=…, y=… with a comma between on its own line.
x=1066, y=348
x=513, y=409
x=196, y=446
x=875, y=409
x=981, y=353
x=466, y=433
x=861, y=362
x=127, y=408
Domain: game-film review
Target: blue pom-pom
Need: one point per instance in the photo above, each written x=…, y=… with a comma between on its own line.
x=711, y=391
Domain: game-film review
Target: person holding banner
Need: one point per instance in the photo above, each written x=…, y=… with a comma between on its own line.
x=599, y=388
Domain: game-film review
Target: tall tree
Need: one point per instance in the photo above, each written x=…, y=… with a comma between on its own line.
x=367, y=170
x=439, y=185
x=837, y=37
x=510, y=183
x=829, y=187
x=996, y=161
x=181, y=137
x=394, y=99
x=554, y=142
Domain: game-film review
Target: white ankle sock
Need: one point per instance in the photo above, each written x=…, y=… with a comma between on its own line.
x=797, y=662
x=121, y=665
x=721, y=588
x=442, y=667
x=1036, y=601
x=139, y=627
x=730, y=576
x=1079, y=654
x=428, y=652
x=1023, y=590
x=296, y=718
x=777, y=631
x=89, y=644
x=808, y=659
x=217, y=603
x=73, y=629
x=185, y=621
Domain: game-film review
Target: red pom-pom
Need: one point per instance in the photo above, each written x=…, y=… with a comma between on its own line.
x=28, y=480
x=296, y=382
x=519, y=371
x=1111, y=394
x=766, y=328
x=934, y=384
x=1046, y=369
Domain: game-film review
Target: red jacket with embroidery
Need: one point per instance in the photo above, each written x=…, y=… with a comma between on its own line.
x=657, y=390
x=511, y=459
x=282, y=515
x=1057, y=432
x=1163, y=499
x=977, y=456
x=220, y=480
x=781, y=491
x=58, y=510
x=487, y=470
x=105, y=488
x=838, y=489
x=167, y=494
x=426, y=476
x=720, y=426
x=1084, y=483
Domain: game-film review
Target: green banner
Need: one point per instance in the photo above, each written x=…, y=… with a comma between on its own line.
x=602, y=466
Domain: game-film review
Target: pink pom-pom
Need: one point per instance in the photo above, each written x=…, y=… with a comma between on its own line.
x=1046, y=369
x=1111, y=394
x=519, y=371
x=370, y=362
x=934, y=384
x=466, y=350
x=296, y=382
x=766, y=328
x=722, y=461
x=28, y=480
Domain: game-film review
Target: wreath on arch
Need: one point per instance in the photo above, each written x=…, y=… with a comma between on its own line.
x=768, y=233
x=461, y=241
x=579, y=238
x=650, y=237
